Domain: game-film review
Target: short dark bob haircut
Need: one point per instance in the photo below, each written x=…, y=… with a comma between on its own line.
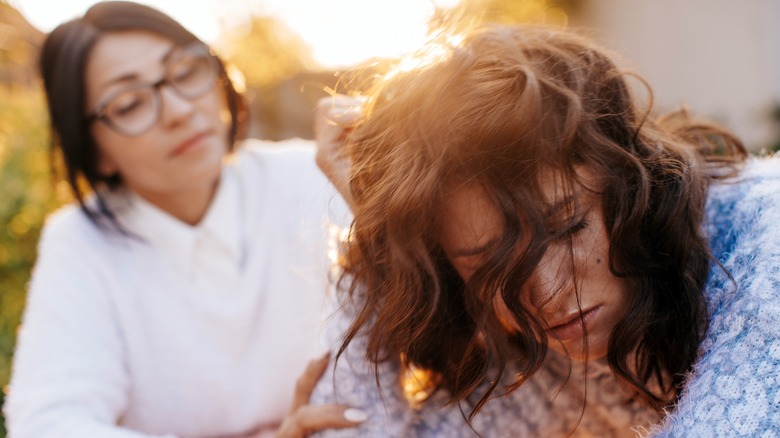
x=62, y=66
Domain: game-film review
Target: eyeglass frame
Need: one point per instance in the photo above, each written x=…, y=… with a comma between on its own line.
x=98, y=114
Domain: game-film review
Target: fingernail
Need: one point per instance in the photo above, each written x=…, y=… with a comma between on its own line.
x=349, y=100
x=355, y=415
x=344, y=114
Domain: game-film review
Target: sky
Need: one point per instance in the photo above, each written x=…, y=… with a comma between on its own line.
x=339, y=32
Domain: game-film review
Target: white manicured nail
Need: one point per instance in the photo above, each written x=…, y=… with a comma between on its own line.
x=355, y=415
x=343, y=99
x=345, y=115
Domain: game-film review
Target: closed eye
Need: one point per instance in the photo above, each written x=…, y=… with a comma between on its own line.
x=128, y=107
x=572, y=230
x=468, y=260
x=186, y=73
x=579, y=226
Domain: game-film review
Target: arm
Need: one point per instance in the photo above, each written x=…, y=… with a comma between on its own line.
x=333, y=122
x=68, y=376
x=734, y=388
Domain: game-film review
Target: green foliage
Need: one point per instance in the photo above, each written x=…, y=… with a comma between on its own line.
x=28, y=196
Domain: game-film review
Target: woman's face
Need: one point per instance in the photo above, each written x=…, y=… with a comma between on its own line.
x=180, y=151
x=555, y=294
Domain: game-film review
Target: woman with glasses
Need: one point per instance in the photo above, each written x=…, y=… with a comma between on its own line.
x=180, y=295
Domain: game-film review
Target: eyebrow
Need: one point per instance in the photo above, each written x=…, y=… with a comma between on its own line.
x=549, y=212
x=556, y=207
x=468, y=252
x=128, y=77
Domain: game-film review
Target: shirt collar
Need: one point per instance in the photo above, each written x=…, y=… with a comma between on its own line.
x=221, y=223
x=224, y=221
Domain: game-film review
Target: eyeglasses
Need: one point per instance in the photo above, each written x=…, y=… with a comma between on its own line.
x=191, y=73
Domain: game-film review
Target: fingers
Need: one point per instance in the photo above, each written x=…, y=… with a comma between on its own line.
x=341, y=109
x=336, y=116
x=309, y=418
x=317, y=417
x=304, y=418
x=306, y=382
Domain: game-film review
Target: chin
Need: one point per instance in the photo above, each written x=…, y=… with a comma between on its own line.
x=211, y=166
x=576, y=352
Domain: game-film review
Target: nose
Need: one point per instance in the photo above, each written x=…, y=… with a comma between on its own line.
x=553, y=279
x=174, y=107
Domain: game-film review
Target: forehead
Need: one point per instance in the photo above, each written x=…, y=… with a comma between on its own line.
x=557, y=187
x=469, y=223
x=471, y=219
x=121, y=54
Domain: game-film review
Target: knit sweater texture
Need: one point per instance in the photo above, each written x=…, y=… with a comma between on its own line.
x=733, y=389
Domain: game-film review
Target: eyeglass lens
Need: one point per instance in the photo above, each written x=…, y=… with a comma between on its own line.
x=135, y=110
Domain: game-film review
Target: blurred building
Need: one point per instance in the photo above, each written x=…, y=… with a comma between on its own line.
x=720, y=58
x=286, y=109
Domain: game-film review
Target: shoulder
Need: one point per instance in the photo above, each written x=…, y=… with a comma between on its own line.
x=288, y=167
x=284, y=175
x=743, y=210
x=70, y=236
x=70, y=223
x=731, y=388
x=75, y=259
x=755, y=188
x=276, y=157
x=742, y=223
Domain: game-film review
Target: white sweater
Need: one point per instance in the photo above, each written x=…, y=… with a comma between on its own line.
x=179, y=331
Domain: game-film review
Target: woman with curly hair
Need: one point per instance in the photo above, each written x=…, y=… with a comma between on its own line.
x=533, y=255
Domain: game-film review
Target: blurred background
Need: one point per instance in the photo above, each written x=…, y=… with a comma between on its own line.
x=719, y=58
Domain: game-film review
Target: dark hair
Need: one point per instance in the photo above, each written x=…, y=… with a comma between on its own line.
x=62, y=66
x=500, y=108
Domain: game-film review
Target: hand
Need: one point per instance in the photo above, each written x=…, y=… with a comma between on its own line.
x=304, y=418
x=334, y=120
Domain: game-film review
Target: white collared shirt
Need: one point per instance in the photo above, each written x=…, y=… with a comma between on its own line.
x=178, y=330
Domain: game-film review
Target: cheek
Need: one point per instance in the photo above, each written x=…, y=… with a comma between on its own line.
x=504, y=315
x=551, y=279
x=214, y=107
x=113, y=151
x=595, y=256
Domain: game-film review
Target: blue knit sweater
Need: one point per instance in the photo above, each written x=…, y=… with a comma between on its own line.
x=733, y=390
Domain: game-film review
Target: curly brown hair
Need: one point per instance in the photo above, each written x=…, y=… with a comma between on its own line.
x=499, y=107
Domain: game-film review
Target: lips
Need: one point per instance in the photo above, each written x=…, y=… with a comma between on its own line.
x=571, y=327
x=189, y=143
